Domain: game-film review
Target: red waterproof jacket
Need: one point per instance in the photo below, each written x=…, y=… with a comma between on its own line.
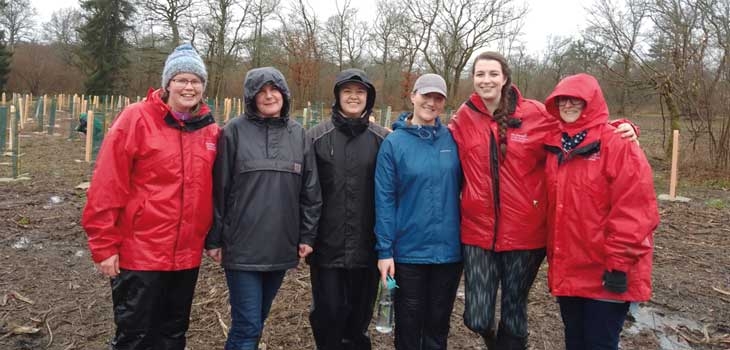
x=602, y=208
x=503, y=200
x=150, y=199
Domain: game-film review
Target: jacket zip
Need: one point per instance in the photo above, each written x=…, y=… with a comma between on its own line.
x=494, y=159
x=182, y=198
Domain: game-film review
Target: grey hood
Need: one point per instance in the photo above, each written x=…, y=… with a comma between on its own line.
x=256, y=79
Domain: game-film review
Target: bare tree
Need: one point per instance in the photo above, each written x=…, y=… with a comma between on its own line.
x=345, y=35
x=384, y=43
x=224, y=34
x=618, y=30
x=18, y=20
x=168, y=12
x=298, y=35
x=457, y=29
x=261, y=12
x=61, y=31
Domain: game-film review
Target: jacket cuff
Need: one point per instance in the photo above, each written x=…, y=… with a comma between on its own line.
x=616, y=265
x=209, y=246
x=385, y=254
x=307, y=239
x=99, y=255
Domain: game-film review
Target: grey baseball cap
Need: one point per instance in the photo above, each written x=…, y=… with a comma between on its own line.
x=430, y=83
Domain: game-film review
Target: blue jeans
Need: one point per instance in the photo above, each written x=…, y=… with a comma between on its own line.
x=250, y=294
x=592, y=324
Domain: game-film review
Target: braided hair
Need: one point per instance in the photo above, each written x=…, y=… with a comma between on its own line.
x=507, y=101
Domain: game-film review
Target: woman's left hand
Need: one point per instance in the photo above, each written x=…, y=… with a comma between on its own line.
x=304, y=250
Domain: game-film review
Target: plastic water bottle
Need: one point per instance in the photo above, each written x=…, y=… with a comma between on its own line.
x=384, y=321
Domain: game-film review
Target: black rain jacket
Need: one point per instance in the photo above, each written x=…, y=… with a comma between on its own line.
x=266, y=191
x=346, y=150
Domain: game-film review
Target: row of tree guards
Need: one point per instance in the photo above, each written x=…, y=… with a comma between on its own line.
x=15, y=114
x=19, y=111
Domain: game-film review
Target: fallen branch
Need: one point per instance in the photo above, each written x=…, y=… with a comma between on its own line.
x=50, y=332
x=22, y=298
x=721, y=291
x=222, y=324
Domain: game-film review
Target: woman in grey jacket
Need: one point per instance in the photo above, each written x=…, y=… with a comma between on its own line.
x=267, y=203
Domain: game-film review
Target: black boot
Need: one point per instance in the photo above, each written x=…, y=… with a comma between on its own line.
x=490, y=339
x=507, y=341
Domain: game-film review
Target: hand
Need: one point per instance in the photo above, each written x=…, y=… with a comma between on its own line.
x=627, y=132
x=304, y=250
x=109, y=267
x=615, y=281
x=387, y=268
x=214, y=254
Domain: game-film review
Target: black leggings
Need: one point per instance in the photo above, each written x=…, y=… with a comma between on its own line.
x=484, y=272
x=423, y=304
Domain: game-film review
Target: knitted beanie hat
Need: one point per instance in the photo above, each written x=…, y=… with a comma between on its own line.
x=184, y=59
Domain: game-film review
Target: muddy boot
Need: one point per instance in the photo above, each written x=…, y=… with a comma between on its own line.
x=490, y=339
x=506, y=341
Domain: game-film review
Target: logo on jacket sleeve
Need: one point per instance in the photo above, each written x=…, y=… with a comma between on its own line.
x=210, y=146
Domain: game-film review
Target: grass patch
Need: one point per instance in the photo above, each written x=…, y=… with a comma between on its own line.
x=716, y=203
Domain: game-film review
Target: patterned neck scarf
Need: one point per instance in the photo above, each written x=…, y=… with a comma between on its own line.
x=570, y=143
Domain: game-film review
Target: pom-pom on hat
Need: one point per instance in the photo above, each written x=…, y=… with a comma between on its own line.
x=184, y=59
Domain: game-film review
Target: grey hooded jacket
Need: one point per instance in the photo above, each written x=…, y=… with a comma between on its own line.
x=265, y=186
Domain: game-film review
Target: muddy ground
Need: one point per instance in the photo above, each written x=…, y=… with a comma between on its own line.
x=52, y=298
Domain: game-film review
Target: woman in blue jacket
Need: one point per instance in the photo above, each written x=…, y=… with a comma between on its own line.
x=417, y=184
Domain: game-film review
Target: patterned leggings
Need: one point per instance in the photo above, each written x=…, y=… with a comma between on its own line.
x=484, y=272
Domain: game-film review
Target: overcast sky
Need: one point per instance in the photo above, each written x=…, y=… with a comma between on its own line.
x=545, y=19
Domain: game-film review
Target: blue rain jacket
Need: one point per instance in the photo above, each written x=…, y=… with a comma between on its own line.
x=417, y=184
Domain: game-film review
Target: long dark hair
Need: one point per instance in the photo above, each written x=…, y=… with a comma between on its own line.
x=506, y=105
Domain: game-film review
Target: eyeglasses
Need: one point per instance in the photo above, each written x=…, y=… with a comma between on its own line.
x=574, y=101
x=181, y=83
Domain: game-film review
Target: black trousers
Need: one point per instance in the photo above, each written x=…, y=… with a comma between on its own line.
x=423, y=303
x=342, y=306
x=152, y=308
x=484, y=272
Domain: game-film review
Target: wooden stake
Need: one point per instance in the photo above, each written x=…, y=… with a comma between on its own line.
x=226, y=109
x=28, y=102
x=89, y=135
x=11, y=139
x=21, y=110
x=675, y=159
x=45, y=107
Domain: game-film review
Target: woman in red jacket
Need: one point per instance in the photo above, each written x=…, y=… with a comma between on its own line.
x=601, y=215
x=149, y=206
x=503, y=204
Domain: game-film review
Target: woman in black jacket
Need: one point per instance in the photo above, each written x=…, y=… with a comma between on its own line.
x=343, y=266
x=267, y=203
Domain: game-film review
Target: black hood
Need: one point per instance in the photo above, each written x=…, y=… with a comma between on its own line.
x=358, y=76
x=256, y=79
